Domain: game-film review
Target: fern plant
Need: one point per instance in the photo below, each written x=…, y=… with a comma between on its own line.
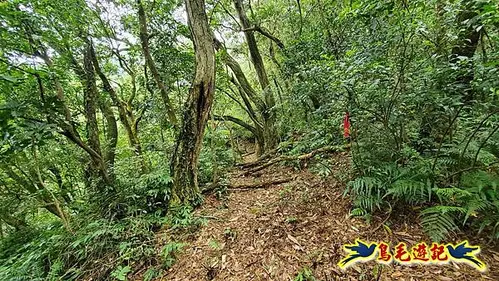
x=472, y=201
x=439, y=221
x=366, y=192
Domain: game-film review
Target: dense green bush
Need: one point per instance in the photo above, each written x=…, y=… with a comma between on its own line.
x=96, y=248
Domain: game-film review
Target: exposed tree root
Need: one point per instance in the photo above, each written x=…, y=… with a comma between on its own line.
x=282, y=158
x=246, y=186
x=260, y=184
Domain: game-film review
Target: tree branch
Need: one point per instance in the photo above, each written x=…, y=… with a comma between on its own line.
x=237, y=121
x=267, y=34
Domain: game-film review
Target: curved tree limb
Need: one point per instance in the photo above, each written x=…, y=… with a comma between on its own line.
x=237, y=121
x=263, y=31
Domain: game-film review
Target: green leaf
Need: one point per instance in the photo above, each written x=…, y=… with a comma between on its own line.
x=120, y=273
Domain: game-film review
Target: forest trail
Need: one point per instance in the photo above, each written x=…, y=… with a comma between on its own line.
x=274, y=233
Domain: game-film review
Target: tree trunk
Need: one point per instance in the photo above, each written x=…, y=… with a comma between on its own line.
x=33, y=187
x=97, y=166
x=255, y=56
x=105, y=108
x=197, y=108
x=269, y=113
x=67, y=126
x=257, y=131
x=112, y=132
x=14, y=222
x=249, y=95
x=144, y=41
x=126, y=115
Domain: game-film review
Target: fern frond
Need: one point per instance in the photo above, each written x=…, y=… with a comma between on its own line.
x=363, y=185
x=410, y=191
x=358, y=212
x=368, y=202
x=447, y=161
x=474, y=206
x=439, y=221
x=451, y=193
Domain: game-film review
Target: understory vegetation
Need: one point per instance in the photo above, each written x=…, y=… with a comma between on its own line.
x=117, y=117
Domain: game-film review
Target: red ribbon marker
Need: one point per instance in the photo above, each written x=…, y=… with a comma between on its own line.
x=346, y=125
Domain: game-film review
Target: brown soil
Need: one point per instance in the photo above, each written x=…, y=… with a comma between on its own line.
x=276, y=232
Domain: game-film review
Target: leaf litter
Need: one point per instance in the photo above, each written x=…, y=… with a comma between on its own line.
x=273, y=233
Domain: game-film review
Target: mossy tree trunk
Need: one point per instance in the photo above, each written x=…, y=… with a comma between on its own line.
x=184, y=166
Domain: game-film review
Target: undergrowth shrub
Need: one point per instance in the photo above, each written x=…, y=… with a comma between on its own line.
x=101, y=248
x=456, y=190
x=216, y=155
x=93, y=249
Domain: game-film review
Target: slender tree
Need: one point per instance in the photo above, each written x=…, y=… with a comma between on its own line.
x=269, y=112
x=144, y=41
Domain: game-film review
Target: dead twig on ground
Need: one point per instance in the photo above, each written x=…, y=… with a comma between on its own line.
x=383, y=222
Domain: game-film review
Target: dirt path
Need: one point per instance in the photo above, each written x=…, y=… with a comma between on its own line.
x=277, y=232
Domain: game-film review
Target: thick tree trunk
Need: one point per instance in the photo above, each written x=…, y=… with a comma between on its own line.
x=144, y=41
x=107, y=112
x=197, y=108
x=112, y=133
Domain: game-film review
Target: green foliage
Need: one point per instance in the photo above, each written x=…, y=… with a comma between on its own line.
x=87, y=251
x=418, y=79
x=169, y=253
x=305, y=275
x=417, y=140
x=150, y=274
x=473, y=202
x=438, y=221
x=322, y=168
x=216, y=155
x=214, y=245
x=121, y=272
x=75, y=254
x=411, y=191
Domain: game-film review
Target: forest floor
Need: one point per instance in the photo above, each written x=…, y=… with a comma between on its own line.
x=274, y=233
